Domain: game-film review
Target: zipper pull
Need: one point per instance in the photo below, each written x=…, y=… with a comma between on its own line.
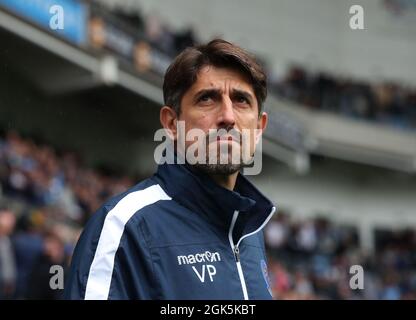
x=237, y=254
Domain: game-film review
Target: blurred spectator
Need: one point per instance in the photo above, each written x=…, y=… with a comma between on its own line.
x=159, y=35
x=184, y=39
x=276, y=232
x=28, y=246
x=302, y=285
x=53, y=254
x=7, y=260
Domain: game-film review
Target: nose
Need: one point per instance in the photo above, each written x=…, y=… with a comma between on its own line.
x=226, y=117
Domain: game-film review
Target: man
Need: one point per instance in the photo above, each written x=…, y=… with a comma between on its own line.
x=189, y=231
x=53, y=254
x=7, y=259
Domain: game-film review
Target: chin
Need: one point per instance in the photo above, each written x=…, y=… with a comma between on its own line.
x=218, y=169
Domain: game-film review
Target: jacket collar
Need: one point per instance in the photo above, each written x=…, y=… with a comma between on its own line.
x=199, y=193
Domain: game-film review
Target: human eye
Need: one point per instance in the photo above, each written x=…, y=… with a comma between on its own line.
x=241, y=99
x=205, y=99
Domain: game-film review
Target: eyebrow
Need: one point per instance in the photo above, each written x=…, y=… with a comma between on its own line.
x=217, y=92
x=210, y=92
x=243, y=93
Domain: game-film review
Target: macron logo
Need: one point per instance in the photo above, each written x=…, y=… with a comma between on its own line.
x=207, y=256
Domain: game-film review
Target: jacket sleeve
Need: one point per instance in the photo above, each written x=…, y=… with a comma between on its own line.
x=124, y=273
x=134, y=274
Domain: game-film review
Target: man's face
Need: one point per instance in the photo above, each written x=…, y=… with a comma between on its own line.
x=223, y=98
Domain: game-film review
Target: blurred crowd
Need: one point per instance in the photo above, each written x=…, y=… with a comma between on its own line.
x=311, y=259
x=385, y=102
x=46, y=196
x=388, y=103
x=155, y=30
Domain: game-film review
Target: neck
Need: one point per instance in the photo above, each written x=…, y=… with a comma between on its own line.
x=225, y=181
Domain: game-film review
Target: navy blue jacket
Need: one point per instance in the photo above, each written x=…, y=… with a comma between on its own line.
x=176, y=235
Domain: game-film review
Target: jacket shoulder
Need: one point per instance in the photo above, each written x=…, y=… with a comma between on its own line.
x=101, y=238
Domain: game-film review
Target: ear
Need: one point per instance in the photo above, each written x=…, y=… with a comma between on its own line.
x=168, y=119
x=261, y=125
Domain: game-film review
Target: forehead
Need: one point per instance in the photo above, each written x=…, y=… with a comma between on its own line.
x=211, y=77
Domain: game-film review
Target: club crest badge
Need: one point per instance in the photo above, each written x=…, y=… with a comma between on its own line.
x=263, y=266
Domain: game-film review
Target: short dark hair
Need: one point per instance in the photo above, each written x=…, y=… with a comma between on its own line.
x=183, y=71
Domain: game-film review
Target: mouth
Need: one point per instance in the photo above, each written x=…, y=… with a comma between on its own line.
x=230, y=137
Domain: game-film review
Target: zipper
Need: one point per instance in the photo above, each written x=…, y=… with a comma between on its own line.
x=236, y=249
x=236, y=252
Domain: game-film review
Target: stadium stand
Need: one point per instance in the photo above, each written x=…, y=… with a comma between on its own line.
x=385, y=103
